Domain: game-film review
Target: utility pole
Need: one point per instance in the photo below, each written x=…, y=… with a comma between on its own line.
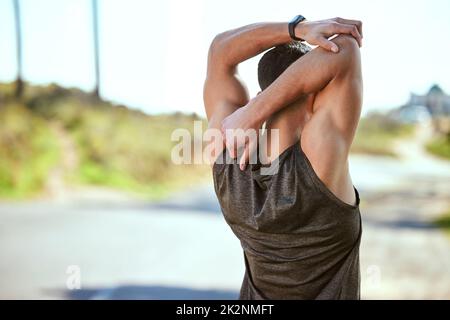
x=19, y=81
x=96, y=48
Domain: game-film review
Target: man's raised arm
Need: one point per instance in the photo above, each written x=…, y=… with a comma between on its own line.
x=309, y=74
x=232, y=47
x=224, y=92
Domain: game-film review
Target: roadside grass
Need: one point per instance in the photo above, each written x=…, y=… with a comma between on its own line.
x=28, y=150
x=115, y=146
x=376, y=134
x=126, y=149
x=440, y=146
x=443, y=222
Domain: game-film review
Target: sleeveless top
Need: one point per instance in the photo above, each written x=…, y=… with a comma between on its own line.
x=299, y=240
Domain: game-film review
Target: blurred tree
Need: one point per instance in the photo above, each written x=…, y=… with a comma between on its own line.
x=96, y=48
x=19, y=81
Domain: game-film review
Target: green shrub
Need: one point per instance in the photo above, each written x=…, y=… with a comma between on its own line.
x=440, y=146
x=28, y=150
x=443, y=222
x=376, y=134
x=115, y=146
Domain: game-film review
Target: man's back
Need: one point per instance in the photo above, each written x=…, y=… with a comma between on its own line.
x=299, y=240
x=299, y=225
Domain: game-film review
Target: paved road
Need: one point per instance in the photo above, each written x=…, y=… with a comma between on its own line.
x=124, y=248
x=182, y=248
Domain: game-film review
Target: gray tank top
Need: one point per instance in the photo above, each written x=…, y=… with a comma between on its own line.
x=299, y=240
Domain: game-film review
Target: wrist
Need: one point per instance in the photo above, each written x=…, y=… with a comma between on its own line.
x=293, y=27
x=259, y=110
x=301, y=30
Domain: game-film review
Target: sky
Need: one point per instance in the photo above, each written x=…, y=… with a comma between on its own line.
x=153, y=53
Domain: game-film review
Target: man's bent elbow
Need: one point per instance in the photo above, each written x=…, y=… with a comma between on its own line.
x=217, y=44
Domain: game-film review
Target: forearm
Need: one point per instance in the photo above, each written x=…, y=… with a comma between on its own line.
x=237, y=45
x=308, y=74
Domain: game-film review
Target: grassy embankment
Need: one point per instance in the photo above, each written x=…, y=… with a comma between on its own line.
x=440, y=146
x=115, y=146
x=376, y=134
x=28, y=150
x=443, y=222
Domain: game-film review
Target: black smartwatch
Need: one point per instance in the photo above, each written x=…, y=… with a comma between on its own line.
x=292, y=24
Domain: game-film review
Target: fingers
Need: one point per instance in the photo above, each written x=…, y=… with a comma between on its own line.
x=250, y=148
x=348, y=29
x=328, y=45
x=356, y=23
x=244, y=159
x=230, y=142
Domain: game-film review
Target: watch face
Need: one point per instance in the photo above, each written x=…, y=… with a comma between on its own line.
x=297, y=18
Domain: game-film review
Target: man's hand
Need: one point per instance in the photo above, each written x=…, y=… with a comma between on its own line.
x=318, y=32
x=245, y=118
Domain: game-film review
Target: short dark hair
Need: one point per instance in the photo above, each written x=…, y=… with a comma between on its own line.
x=275, y=61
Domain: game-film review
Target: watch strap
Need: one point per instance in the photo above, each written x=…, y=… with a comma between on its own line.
x=292, y=24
